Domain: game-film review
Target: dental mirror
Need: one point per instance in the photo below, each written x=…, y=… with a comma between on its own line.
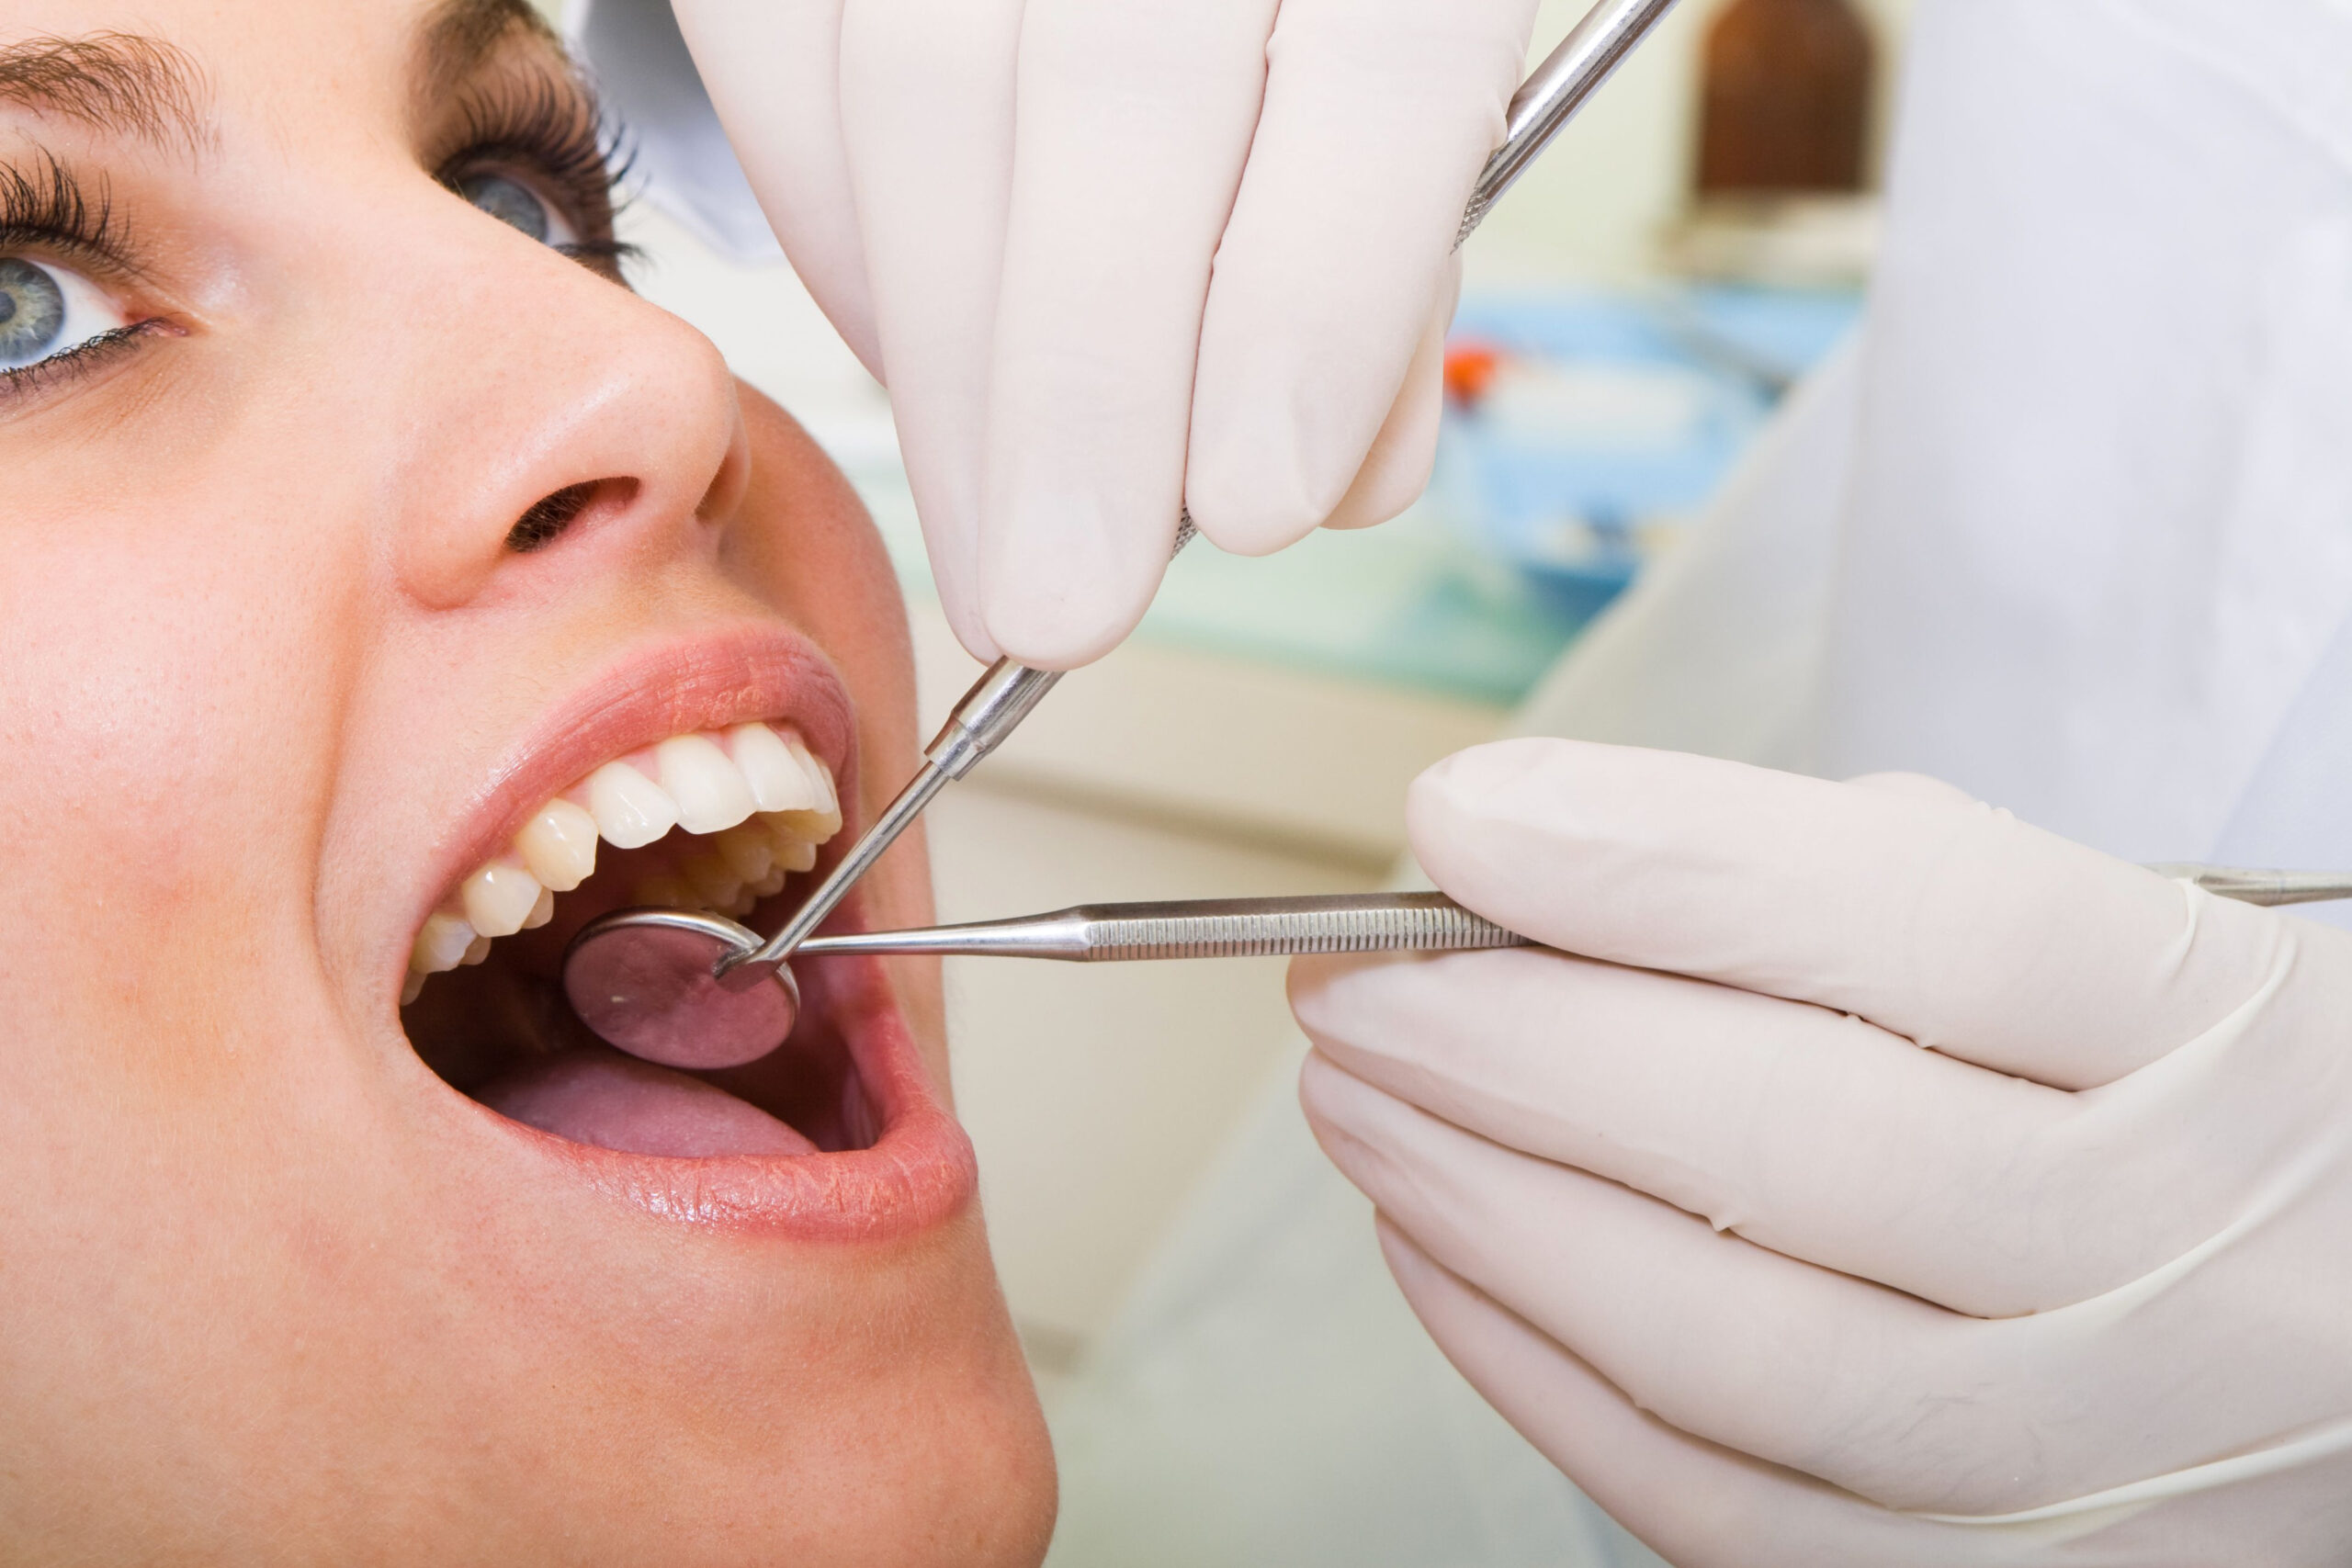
x=648, y=981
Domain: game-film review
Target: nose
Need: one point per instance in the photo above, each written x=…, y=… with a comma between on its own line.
x=537, y=399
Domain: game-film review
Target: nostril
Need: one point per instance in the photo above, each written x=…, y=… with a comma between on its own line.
x=550, y=516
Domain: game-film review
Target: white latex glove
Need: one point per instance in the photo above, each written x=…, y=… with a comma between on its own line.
x=1113, y=257
x=1892, y=1184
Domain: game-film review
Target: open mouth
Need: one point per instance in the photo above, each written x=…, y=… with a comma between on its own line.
x=734, y=821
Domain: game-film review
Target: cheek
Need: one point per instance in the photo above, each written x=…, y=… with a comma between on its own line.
x=169, y=711
x=802, y=541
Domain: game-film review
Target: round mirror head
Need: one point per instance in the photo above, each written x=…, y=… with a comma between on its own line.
x=644, y=980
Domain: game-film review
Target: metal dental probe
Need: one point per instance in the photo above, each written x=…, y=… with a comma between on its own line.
x=1257, y=928
x=630, y=973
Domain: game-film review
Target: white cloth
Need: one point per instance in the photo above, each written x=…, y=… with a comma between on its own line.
x=2100, y=540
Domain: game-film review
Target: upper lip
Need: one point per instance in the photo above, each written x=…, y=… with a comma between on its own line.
x=645, y=696
x=921, y=1169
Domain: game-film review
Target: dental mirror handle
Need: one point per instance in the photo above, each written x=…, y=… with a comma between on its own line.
x=1200, y=928
x=996, y=704
x=1356, y=922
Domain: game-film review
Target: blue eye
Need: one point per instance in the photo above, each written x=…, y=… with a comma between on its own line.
x=518, y=207
x=46, y=311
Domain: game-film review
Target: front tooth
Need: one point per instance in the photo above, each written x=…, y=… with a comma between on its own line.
x=500, y=897
x=709, y=877
x=412, y=988
x=541, y=912
x=747, y=849
x=771, y=884
x=559, y=845
x=744, y=903
x=441, y=945
x=629, y=809
x=476, y=951
x=709, y=790
x=818, y=775
x=779, y=781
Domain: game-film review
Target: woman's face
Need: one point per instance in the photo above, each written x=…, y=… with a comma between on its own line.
x=355, y=520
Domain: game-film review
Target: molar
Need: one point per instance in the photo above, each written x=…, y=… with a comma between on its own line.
x=748, y=852
x=630, y=809
x=793, y=836
x=664, y=892
x=715, y=885
x=710, y=790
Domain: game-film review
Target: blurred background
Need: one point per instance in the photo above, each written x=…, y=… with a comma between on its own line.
x=1631, y=317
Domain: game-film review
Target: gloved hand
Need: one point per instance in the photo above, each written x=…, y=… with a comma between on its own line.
x=1013, y=210
x=1887, y=1181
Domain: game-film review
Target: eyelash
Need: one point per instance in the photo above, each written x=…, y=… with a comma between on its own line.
x=47, y=208
x=550, y=131
x=540, y=126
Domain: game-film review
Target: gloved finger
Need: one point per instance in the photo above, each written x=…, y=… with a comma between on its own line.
x=1874, y=1391
x=1379, y=115
x=1956, y=926
x=1397, y=470
x=1809, y=1132
x=1122, y=181
x=1697, y=1504
x=772, y=70
x=1705, y=1505
x=927, y=111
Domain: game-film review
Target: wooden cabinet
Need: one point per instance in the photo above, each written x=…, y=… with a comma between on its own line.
x=1784, y=98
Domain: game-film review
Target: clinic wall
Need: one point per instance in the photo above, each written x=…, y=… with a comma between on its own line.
x=1593, y=206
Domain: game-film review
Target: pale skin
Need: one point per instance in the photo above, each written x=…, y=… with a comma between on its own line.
x=276, y=1292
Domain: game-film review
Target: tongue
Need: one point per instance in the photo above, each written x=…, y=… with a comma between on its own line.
x=597, y=1096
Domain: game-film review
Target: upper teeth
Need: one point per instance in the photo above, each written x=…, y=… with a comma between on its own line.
x=770, y=802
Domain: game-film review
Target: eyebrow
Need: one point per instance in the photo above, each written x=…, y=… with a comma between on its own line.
x=113, y=80
x=461, y=36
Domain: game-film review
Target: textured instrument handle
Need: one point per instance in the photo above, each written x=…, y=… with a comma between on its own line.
x=1377, y=922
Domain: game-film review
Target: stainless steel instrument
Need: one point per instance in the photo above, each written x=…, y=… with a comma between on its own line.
x=678, y=1028
x=1120, y=933
x=1200, y=928
x=994, y=708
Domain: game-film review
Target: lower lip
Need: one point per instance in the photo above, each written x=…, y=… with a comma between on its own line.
x=918, y=1174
